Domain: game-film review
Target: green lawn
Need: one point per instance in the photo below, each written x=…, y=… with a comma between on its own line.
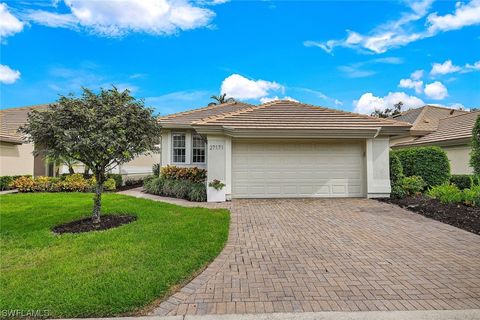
x=100, y=273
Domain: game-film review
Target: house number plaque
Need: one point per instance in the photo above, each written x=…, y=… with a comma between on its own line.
x=214, y=147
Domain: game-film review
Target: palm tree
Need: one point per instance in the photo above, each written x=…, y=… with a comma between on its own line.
x=222, y=98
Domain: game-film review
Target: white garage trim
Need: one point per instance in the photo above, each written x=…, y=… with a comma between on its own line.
x=298, y=168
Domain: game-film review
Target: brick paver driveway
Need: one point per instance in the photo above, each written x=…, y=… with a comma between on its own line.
x=334, y=254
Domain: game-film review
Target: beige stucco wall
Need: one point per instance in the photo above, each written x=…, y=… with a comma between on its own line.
x=459, y=157
x=16, y=159
x=378, y=167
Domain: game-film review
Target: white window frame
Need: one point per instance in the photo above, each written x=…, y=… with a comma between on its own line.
x=194, y=134
x=184, y=147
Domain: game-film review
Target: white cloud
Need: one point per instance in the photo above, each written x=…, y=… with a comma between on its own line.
x=270, y=99
x=406, y=29
x=8, y=75
x=464, y=15
x=448, y=67
x=9, y=24
x=369, y=102
x=417, y=75
x=239, y=87
x=436, y=90
x=119, y=17
x=412, y=84
x=444, y=68
x=320, y=95
x=363, y=69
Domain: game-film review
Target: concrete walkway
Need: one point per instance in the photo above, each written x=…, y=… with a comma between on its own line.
x=315, y=255
x=372, y=315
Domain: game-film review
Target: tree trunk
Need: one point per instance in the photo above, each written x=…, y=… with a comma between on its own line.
x=97, y=197
x=70, y=169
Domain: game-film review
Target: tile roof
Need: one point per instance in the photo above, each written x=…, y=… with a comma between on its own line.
x=283, y=114
x=449, y=129
x=12, y=119
x=186, y=118
x=426, y=118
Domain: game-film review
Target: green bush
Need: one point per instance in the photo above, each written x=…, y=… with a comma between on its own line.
x=110, y=184
x=471, y=196
x=154, y=185
x=412, y=185
x=181, y=189
x=396, y=169
x=117, y=177
x=465, y=181
x=446, y=193
x=198, y=192
x=156, y=169
x=5, y=182
x=475, y=153
x=430, y=163
x=398, y=192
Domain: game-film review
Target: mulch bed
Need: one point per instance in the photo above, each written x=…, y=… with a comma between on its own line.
x=86, y=224
x=458, y=215
x=132, y=186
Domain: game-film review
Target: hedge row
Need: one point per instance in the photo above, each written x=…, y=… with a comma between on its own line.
x=182, y=189
x=71, y=183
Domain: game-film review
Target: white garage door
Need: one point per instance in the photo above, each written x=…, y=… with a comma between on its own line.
x=297, y=169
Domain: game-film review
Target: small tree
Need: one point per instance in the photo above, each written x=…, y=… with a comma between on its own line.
x=222, y=98
x=100, y=130
x=475, y=153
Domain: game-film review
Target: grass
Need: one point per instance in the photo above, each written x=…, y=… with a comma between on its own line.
x=101, y=273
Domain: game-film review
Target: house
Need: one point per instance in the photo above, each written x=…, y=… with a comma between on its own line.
x=424, y=120
x=283, y=149
x=17, y=158
x=453, y=134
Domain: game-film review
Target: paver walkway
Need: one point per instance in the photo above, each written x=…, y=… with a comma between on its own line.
x=334, y=255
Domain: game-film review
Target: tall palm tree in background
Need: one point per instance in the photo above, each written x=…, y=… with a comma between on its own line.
x=222, y=98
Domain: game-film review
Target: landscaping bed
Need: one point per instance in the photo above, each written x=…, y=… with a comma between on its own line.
x=455, y=214
x=86, y=224
x=119, y=271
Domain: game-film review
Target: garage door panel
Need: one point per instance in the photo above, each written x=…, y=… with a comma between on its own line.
x=262, y=170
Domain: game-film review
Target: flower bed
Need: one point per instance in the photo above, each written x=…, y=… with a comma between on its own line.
x=70, y=183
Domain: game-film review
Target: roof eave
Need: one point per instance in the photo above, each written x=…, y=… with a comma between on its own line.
x=442, y=143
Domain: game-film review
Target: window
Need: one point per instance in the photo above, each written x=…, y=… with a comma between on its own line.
x=198, y=149
x=178, y=147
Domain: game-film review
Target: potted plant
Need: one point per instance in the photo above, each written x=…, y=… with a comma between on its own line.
x=216, y=191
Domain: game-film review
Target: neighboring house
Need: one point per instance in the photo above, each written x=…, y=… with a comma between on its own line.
x=16, y=156
x=453, y=134
x=283, y=149
x=424, y=120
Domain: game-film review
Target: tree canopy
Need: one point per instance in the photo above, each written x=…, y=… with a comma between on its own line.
x=101, y=130
x=222, y=98
x=388, y=112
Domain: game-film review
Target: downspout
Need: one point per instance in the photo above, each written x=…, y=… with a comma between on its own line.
x=378, y=132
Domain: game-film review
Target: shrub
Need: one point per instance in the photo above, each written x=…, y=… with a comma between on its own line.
x=396, y=169
x=398, y=191
x=117, y=177
x=430, y=163
x=198, y=192
x=23, y=184
x=464, y=181
x=5, y=182
x=110, y=184
x=471, y=197
x=76, y=182
x=154, y=185
x=446, y=193
x=216, y=184
x=156, y=169
x=181, y=189
x=43, y=184
x=192, y=174
x=412, y=185
x=168, y=188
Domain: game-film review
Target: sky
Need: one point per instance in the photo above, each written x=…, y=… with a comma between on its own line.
x=350, y=55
